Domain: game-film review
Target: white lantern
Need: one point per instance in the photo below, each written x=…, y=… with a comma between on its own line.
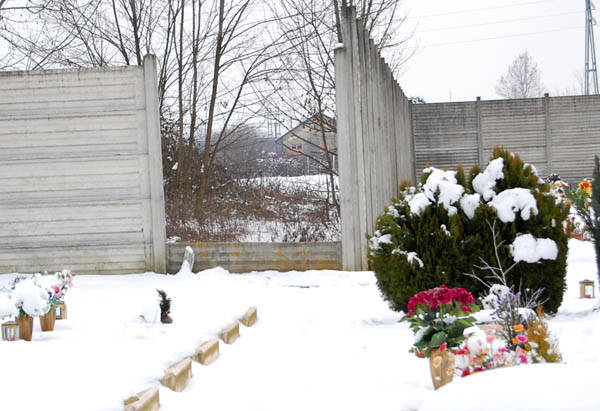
x=10, y=331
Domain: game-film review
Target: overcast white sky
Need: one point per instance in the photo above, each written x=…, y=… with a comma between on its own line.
x=453, y=65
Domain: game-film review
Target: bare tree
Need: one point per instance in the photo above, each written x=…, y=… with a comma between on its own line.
x=577, y=88
x=301, y=87
x=522, y=80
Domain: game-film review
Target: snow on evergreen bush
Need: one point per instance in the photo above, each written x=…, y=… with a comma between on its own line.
x=435, y=232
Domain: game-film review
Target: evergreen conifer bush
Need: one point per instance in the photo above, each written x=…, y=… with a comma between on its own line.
x=434, y=233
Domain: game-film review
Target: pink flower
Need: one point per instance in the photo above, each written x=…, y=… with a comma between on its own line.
x=502, y=349
x=490, y=338
x=522, y=339
x=523, y=359
x=57, y=290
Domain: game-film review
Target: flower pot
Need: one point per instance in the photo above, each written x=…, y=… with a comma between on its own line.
x=577, y=236
x=47, y=321
x=441, y=365
x=25, y=327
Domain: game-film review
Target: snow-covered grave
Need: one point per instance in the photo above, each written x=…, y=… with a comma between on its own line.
x=324, y=340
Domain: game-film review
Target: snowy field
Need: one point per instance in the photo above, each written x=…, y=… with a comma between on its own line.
x=325, y=340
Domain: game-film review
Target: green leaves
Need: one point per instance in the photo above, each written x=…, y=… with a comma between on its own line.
x=438, y=339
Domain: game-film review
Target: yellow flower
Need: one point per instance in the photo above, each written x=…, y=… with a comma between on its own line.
x=518, y=328
x=449, y=372
x=437, y=361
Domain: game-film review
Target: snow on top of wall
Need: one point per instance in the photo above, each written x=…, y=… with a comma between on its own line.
x=531, y=250
x=509, y=202
x=484, y=183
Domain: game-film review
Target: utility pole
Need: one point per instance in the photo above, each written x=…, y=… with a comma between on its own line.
x=590, y=50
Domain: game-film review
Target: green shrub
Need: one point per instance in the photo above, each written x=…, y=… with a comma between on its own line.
x=431, y=235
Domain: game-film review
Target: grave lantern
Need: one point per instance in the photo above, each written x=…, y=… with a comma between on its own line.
x=587, y=289
x=61, y=311
x=10, y=331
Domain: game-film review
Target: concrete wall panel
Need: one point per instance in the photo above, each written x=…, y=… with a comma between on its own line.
x=79, y=186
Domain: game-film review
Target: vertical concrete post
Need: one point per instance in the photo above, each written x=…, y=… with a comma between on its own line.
x=344, y=90
x=548, y=132
x=481, y=160
x=412, y=143
x=157, y=197
x=360, y=193
x=372, y=160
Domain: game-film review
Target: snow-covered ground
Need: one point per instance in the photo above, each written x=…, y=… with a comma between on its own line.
x=315, y=182
x=324, y=340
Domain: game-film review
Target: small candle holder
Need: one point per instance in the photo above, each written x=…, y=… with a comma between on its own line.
x=10, y=331
x=61, y=311
x=587, y=289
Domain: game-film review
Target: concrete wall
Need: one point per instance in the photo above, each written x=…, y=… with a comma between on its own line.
x=556, y=134
x=247, y=257
x=80, y=171
x=374, y=137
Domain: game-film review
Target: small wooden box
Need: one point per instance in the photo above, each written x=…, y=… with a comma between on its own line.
x=10, y=331
x=587, y=289
x=61, y=311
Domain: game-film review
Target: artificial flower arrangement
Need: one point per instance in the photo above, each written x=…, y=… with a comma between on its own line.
x=558, y=188
x=35, y=295
x=581, y=193
x=481, y=352
x=519, y=336
x=29, y=296
x=438, y=318
x=573, y=225
x=57, y=285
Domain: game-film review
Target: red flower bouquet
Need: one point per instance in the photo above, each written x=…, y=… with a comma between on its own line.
x=439, y=316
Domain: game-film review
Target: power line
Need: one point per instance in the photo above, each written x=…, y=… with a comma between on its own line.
x=499, y=22
x=503, y=37
x=484, y=9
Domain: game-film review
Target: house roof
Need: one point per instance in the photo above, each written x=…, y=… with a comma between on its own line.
x=306, y=121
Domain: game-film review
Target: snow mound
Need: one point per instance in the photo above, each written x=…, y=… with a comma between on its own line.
x=444, y=183
x=484, y=183
x=149, y=307
x=480, y=391
x=7, y=306
x=531, y=250
x=514, y=200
